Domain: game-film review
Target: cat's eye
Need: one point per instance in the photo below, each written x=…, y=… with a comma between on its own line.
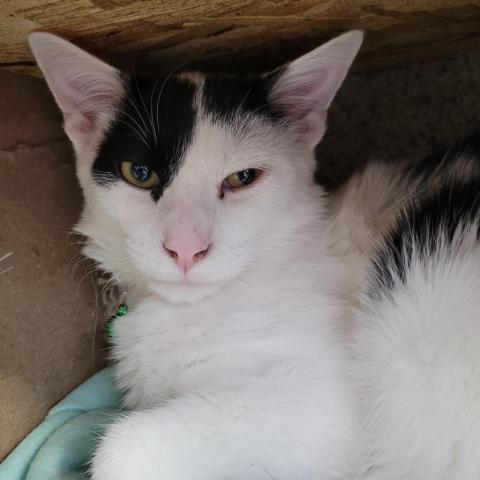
x=138, y=175
x=242, y=178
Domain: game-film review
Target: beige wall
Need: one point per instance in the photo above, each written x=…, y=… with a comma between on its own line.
x=47, y=319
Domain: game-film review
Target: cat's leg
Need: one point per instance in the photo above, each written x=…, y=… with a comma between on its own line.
x=232, y=435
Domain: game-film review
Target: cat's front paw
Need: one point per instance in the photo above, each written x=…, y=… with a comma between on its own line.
x=132, y=449
x=116, y=453
x=148, y=445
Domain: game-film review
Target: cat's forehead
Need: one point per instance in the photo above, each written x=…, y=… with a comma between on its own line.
x=157, y=117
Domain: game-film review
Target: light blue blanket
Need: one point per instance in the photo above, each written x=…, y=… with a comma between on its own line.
x=61, y=446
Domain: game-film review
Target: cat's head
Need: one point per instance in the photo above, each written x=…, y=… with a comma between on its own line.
x=191, y=179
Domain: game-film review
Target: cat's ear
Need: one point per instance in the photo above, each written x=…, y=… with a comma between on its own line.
x=304, y=88
x=85, y=88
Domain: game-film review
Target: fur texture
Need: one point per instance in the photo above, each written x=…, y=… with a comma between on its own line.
x=415, y=338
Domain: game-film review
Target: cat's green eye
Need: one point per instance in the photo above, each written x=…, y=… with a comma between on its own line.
x=138, y=175
x=242, y=178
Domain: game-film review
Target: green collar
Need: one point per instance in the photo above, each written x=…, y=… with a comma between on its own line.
x=122, y=310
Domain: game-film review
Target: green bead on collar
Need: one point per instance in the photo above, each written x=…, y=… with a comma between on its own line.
x=122, y=310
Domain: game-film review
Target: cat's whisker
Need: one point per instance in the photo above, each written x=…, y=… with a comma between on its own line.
x=110, y=282
x=261, y=107
x=72, y=244
x=172, y=71
x=76, y=267
x=240, y=105
x=151, y=111
x=91, y=272
x=139, y=135
x=76, y=260
x=133, y=128
x=105, y=177
x=145, y=108
x=140, y=116
x=137, y=128
x=79, y=261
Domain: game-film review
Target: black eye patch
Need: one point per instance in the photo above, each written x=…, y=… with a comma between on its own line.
x=153, y=126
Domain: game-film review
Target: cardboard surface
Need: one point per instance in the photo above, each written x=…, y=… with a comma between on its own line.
x=47, y=317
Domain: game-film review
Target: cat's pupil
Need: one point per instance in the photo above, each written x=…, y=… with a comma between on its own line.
x=140, y=172
x=246, y=176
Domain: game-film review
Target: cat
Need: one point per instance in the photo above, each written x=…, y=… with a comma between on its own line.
x=200, y=200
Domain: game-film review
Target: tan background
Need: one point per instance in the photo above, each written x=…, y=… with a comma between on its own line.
x=47, y=319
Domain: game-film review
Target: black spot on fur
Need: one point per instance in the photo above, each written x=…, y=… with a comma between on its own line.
x=153, y=127
x=442, y=214
x=225, y=96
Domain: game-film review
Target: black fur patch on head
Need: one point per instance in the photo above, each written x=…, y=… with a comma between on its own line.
x=226, y=96
x=438, y=216
x=153, y=127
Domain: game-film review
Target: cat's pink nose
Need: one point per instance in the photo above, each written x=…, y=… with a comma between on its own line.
x=186, y=255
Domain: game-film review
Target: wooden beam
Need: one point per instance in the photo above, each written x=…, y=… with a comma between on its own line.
x=237, y=36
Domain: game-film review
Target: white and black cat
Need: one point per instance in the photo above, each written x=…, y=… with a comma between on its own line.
x=240, y=357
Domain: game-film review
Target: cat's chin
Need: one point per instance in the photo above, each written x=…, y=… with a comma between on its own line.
x=184, y=292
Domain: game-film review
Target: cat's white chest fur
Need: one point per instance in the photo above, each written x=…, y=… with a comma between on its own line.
x=255, y=327
x=259, y=364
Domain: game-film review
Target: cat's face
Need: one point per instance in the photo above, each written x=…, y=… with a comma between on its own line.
x=221, y=187
x=190, y=180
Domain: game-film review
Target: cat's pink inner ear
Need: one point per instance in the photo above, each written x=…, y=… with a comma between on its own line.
x=84, y=87
x=79, y=123
x=306, y=87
